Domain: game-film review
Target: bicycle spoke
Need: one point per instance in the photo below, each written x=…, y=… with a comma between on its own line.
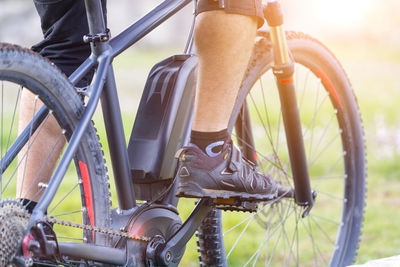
x=311, y=127
x=312, y=123
x=322, y=230
x=59, y=139
x=240, y=236
x=301, y=99
x=29, y=146
x=317, y=247
x=268, y=133
x=330, y=195
x=13, y=117
x=34, y=196
x=297, y=236
x=246, y=219
x=295, y=233
x=325, y=176
x=324, y=148
x=20, y=88
x=283, y=219
x=294, y=238
x=257, y=253
x=281, y=224
x=267, y=115
x=333, y=177
x=25, y=155
x=325, y=130
x=66, y=213
x=76, y=185
x=325, y=219
x=261, y=156
x=310, y=235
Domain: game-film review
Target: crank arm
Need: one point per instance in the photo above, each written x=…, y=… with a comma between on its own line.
x=169, y=253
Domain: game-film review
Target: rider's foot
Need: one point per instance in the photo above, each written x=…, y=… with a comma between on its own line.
x=227, y=175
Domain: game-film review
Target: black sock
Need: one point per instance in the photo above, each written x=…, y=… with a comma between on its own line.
x=29, y=204
x=210, y=142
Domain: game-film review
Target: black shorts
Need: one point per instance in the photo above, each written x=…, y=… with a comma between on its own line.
x=64, y=23
x=243, y=7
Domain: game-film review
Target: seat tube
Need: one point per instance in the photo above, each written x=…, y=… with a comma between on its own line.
x=283, y=70
x=98, y=38
x=96, y=23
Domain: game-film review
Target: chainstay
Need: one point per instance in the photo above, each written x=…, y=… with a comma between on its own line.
x=97, y=229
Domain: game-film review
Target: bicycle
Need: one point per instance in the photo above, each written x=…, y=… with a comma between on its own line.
x=311, y=139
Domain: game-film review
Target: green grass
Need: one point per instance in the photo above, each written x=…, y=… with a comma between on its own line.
x=374, y=71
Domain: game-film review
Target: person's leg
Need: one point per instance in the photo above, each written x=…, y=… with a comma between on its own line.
x=224, y=40
x=63, y=24
x=211, y=166
x=224, y=44
x=34, y=164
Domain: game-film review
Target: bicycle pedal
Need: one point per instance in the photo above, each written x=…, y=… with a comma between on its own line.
x=232, y=204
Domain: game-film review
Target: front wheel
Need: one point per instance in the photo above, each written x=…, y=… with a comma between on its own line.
x=277, y=235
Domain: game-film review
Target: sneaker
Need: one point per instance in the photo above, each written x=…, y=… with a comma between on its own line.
x=227, y=175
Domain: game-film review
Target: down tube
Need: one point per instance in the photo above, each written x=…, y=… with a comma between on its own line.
x=59, y=173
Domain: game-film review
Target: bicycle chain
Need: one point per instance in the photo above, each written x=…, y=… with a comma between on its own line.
x=53, y=220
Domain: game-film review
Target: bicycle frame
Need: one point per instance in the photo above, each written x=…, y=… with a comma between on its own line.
x=104, y=89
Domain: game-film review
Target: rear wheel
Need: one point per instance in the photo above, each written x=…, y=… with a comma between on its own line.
x=83, y=196
x=277, y=234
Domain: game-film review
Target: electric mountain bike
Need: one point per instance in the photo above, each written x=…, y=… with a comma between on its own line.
x=296, y=118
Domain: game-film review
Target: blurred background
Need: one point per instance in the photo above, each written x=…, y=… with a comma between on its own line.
x=363, y=34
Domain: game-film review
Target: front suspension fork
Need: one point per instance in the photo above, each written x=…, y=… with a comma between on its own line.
x=283, y=70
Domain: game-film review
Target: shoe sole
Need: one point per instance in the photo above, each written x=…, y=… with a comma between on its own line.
x=192, y=190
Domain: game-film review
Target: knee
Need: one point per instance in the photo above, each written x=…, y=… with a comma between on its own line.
x=209, y=28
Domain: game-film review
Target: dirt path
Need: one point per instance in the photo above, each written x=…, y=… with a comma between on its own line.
x=385, y=262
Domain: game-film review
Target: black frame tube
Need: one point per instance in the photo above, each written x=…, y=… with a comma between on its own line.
x=92, y=252
x=294, y=136
x=81, y=71
x=283, y=70
x=145, y=25
x=97, y=25
x=117, y=144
